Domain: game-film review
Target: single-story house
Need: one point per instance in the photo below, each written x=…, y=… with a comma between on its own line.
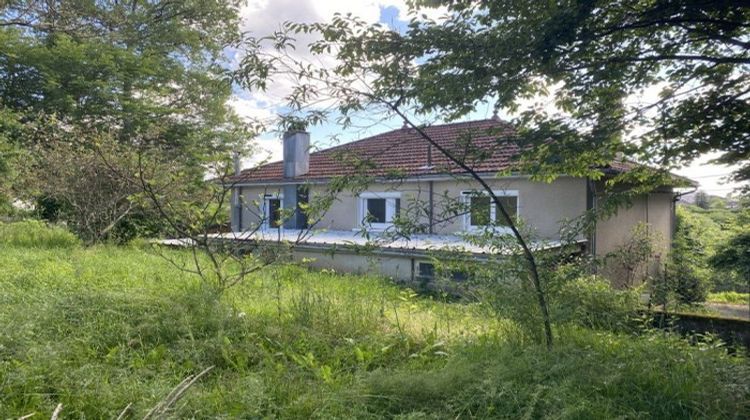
x=404, y=168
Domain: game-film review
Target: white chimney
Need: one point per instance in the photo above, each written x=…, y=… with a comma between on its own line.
x=296, y=153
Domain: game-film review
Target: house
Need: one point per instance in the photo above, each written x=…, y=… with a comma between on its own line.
x=407, y=174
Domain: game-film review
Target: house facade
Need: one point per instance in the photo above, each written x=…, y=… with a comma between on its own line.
x=404, y=177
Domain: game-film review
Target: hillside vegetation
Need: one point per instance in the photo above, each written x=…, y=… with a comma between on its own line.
x=703, y=234
x=102, y=327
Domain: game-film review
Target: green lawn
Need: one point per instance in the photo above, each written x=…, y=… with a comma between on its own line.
x=99, y=328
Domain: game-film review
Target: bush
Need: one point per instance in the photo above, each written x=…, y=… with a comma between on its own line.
x=36, y=234
x=593, y=302
x=687, y=275
x=733, y=257
x=689, y=285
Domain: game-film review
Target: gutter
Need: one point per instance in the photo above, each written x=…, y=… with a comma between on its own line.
x=413, y=178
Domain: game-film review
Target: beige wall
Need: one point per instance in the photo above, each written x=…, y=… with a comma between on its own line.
x=252, y=202
x=542, y=206
x=399, y=268
x=654, y=209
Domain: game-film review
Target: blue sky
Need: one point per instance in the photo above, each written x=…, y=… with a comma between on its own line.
x=264, y=16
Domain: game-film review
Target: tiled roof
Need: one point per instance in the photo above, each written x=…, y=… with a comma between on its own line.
x=484, y=145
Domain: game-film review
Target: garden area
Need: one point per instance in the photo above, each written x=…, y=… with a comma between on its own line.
x=129, y=126
x=108, y=330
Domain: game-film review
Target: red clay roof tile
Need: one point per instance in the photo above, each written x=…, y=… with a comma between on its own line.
x=484, y=145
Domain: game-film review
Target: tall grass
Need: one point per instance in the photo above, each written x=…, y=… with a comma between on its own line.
x=729, y=297
x=36, y=234
x=99, y=328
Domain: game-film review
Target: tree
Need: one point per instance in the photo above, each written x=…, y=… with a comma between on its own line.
x=9, y=153
x=147, y=74
x=701, y=200
x=82, y=190
x=508, y=51
x=592, y=60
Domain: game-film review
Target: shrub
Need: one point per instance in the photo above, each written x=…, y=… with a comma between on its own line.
x=593, y=302
x=689, y=285
x=36, y=234
x=733, y=257
x=629, y=261
x=686, y=270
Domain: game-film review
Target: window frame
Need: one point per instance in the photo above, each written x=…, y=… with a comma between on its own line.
x=468, y=195
x=419, y=275
x=266, y=207
x=390, y=209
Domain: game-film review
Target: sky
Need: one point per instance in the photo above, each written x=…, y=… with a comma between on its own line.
x=262, y=17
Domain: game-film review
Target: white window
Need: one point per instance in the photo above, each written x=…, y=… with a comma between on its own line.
x=378, y=210
x=482, y=212
x=272, y=210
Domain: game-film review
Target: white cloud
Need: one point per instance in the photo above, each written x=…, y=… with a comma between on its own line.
x=267, y=150
x=263, y=17
x=252, y=108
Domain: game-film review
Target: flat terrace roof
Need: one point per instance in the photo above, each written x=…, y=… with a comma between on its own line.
x=418, y=244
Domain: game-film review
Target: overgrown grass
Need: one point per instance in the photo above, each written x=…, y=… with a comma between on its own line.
x=98, y=328
x=36, y=234
x=729, y=297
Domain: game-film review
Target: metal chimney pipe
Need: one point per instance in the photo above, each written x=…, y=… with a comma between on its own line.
x=237, y=165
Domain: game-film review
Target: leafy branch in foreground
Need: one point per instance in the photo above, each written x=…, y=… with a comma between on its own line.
x=678, y=71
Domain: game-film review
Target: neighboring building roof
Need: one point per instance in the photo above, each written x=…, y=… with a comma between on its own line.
x=486, y=145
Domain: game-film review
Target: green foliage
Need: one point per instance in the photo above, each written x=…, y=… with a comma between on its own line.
x=112, y=66
x=734, y=256
x=588, y=375
x=593, y=302
x=686, y=269
x=148, y=76
x=729, y=297
x=36, y=234
x=701, y=234
x=101, y=327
